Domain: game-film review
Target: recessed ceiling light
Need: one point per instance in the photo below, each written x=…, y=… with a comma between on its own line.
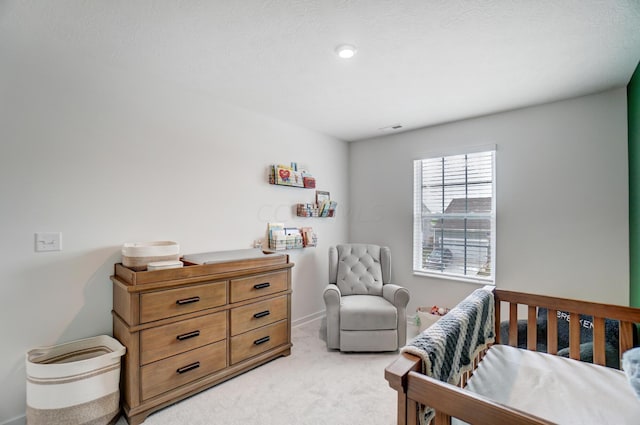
x=346, y=51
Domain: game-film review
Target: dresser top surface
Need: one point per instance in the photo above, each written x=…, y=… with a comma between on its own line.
x=222, y=264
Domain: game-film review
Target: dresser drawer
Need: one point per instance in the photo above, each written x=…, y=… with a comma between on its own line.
x=257, y=286
x=173, y=302
x=258, y=341
x=168, y=340
x=258, y=314
x=164, y=375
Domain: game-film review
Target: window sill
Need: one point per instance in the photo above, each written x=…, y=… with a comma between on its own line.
x=477, y=281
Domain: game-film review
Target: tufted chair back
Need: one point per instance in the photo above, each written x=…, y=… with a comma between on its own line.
x=359, y=269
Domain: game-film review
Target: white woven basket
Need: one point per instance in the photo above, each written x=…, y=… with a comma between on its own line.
x=74, y=383
x=137, y=255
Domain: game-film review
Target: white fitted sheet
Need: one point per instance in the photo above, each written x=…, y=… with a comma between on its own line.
x=555, y=388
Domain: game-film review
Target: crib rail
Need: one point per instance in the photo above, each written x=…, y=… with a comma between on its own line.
x=451, y=401
x=626, y=316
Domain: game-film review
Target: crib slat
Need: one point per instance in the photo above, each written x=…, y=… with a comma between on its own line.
x=598, y=341
x=626, y=336
x=513, y=324
x=413, y=409
x=552, y=331
x=463, y=380
x=532, y=328
x=442, y=418
x=574, y=336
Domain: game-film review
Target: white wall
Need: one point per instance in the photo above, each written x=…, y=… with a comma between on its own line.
x=105, y=157
x=562, y=198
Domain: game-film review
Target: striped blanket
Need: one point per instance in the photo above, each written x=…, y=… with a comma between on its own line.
x=448, y=347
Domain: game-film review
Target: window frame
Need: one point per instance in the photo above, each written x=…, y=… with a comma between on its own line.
x=418, y=219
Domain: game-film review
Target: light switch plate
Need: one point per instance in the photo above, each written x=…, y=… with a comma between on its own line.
x=48, y=241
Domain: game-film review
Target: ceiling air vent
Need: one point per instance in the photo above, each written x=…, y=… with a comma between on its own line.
x=391, y=127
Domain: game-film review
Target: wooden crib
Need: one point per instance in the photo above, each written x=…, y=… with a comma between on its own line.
x=450, y=401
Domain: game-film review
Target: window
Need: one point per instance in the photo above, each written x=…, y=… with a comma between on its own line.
x=454, y=216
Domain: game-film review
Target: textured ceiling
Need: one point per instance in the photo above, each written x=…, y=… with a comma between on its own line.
x=419, y=62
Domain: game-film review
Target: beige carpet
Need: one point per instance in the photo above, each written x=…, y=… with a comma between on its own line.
x=312, y=386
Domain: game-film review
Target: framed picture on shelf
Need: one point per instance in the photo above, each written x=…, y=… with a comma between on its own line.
x=321, y=196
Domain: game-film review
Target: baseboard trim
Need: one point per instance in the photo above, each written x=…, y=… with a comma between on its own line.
x=308, y=318
x=20, y=420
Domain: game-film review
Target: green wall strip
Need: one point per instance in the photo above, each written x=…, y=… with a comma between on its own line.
x=633, y=111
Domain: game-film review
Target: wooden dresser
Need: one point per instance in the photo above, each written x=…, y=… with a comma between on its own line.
x=190, y=328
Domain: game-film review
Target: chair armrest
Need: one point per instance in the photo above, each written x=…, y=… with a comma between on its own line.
x=396, y=295
x=399, y=297
x=331, y=295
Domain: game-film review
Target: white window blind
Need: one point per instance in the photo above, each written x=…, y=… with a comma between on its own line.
x=454, y=216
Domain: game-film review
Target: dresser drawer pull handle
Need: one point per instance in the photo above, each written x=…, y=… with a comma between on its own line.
x=188, y=367
x=188, y=335
x=262, y=285
x=262, y=314
x=262, y=340
x=188, y=300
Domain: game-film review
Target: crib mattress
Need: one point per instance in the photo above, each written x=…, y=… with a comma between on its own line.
x=555, y=388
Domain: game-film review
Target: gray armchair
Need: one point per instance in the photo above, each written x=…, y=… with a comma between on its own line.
x=364, y=311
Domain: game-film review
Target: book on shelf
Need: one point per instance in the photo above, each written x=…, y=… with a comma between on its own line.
x=308, y=181
x=332, y=208
x=308, y=237
x=286, y=176
x=277, y=236
x=327, y=208
x=274, y=228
